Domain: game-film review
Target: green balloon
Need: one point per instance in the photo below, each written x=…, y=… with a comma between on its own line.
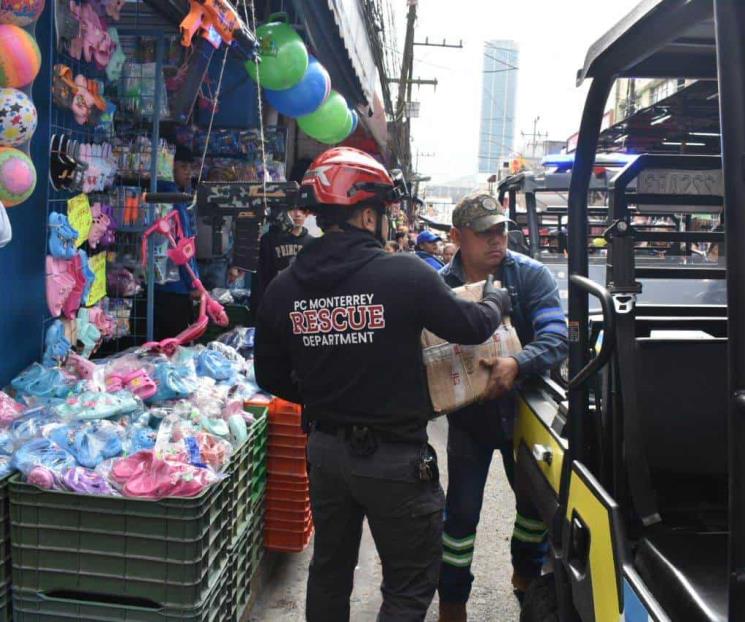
x=342, y=134
x=284, y=57
x=328, y=123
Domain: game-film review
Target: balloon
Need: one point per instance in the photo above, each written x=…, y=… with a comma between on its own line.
x=17, y=176
x=20, y=58
x=284, y=57
x=306, y=95
x=20, y=12
x=18, y=117
x=329, y=121
x=343, y=132
x=355, y=120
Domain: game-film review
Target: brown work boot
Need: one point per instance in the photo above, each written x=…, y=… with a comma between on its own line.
x=453, y=612
x=520, y=585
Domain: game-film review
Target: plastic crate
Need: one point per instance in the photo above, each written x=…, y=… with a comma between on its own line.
x=168, y=553
x=285, y=465
x=275, y=503
x=32, y=606
x=285, y=413
x=285, y=541
x=6, y=602
x=277, y=439
x=241, y=573
x=281, y=429
x=242, y=471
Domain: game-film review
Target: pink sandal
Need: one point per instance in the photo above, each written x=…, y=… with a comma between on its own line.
x=59, y=284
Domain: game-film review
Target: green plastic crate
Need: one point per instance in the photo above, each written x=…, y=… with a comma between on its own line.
x=6, y=602
x=241, y=573
x=241, y=473
x=32, y=606
x=169, y=553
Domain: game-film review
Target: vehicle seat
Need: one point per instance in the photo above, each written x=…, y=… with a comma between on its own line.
x=682, y=389
x=682, y=396
x=686, y=572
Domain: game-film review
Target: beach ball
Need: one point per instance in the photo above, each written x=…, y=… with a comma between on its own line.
x=17, y=176
x=18, y=117
x=306, y=95
x=20, y=59
x=327, y=124
x=284, y=57
x=20, y=12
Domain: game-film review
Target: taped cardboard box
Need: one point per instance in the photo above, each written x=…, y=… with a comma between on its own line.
x=454, y=373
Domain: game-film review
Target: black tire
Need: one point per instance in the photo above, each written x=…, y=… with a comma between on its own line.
x=539, y=602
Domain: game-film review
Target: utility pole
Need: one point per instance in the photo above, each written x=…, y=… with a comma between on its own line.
x=535, y=136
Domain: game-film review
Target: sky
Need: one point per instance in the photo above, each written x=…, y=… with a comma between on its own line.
x=553, y=37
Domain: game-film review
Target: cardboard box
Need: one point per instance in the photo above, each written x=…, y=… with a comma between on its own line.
x=454, y=373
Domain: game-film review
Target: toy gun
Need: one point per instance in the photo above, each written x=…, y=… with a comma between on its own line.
x=217, y=22
x=250, y=204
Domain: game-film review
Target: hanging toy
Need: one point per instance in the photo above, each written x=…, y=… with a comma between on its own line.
x=284, y=57
x=306, y=96
x=20, y=58
x=331, y=123
x=17, y=176
x=18, y=117
x=181, y=251
x=20, y=12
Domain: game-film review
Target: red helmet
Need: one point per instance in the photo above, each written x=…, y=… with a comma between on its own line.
x=346, y=176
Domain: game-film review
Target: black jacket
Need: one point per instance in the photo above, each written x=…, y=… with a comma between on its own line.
x=277, y=250
x=340, y=333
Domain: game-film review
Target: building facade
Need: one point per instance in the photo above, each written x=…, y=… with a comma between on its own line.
x=498, y=104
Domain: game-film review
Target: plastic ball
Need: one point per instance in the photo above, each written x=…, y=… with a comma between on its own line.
x=20, y=12
x=328, y=122
x=284, y=57
x=306, y=96
x=355, y=120
x=17, y=176
x=18, y=117
x=20, y=58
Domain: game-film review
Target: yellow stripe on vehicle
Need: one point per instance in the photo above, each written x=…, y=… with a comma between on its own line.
x=532, y=431
x=601, y=564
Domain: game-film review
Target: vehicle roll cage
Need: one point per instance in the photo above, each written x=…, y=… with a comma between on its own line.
x=693, y=39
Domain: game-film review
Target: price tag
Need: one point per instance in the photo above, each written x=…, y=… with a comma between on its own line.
x=97, y=264
x=80, y=217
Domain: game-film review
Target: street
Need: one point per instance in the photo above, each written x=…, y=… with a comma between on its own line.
x=282, y=597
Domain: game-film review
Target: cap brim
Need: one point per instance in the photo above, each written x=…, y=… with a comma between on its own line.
x=487, y=222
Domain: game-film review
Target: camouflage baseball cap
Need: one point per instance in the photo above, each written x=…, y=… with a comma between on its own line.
x=479, y=212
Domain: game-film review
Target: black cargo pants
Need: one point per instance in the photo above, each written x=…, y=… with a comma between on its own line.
x=405, y=518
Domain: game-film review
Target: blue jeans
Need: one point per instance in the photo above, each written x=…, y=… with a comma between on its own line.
x=468, y=467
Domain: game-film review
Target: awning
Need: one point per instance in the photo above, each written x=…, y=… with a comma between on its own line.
x=337, y=35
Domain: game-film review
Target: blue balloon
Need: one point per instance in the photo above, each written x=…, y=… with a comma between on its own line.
x=355, y=120
x=306, y=96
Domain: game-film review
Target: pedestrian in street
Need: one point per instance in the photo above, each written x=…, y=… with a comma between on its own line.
x=392, y=247
x=325, y=331
x=448, y=251
x=278, y=248
x=402, y=239
x=475, y=432
x=427, y=249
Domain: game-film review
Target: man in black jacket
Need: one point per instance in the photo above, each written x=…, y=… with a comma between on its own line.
x=324, y=334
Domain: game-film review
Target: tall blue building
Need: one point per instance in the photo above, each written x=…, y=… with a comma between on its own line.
x=498, y=101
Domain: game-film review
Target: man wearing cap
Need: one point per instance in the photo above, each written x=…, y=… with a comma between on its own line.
x=426, y=249
x=480, y=228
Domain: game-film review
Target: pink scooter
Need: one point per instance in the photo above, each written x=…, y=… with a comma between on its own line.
x=181, y=251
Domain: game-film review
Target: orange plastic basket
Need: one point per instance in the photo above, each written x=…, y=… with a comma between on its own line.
x=286, y=465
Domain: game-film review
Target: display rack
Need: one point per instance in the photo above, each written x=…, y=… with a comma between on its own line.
x=139, y=98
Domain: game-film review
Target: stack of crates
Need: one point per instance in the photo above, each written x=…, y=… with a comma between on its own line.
x=94, y=558
x=246, y=545
x=5, y=561
x=289, y=524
